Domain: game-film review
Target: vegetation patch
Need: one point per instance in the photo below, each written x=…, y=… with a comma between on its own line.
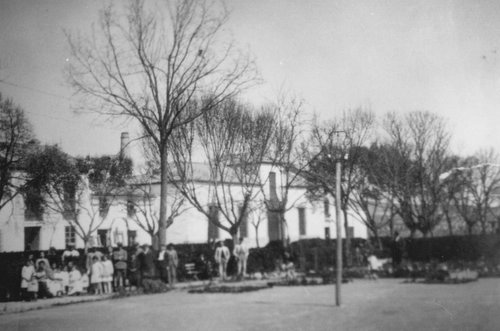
x=229, y=289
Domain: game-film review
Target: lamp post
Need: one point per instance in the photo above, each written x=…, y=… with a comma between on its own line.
x=339, y=231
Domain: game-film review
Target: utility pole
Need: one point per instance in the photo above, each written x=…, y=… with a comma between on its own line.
x=339, y=231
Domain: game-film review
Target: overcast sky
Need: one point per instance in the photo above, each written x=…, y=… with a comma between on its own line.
x=441, y=56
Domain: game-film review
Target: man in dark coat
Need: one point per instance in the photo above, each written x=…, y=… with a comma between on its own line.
x=147, y=262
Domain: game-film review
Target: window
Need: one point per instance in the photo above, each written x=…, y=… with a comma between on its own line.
x=103, y=207
x=103, y=237
x=33, y=204
x=118, y=236
x=243, y=224
x=131, y=237
x=302, y=221
x=327, y=207
x=130, y=208
x=69, y=235
x=213, y=219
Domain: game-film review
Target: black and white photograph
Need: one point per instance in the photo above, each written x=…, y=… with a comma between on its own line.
x=249, y=165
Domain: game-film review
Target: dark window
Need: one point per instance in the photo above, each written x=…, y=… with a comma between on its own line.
x=131, y=236
x=32, y=238
x=103, y=207
x=302, y=221
x=130, y=208
x=327, y=207
x=327, y=233
x=103, y=237
x=33, y=204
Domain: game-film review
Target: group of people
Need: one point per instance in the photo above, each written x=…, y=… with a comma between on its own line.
x=222, y=256
x=42, y=278
x=101, y=273
x=46, y=276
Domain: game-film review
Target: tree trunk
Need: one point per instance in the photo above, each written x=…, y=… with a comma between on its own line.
x=257, y=236
x=155, y=241
x=162, y=222
x=283, y=227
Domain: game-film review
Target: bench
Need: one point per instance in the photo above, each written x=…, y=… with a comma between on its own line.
x=191, y=271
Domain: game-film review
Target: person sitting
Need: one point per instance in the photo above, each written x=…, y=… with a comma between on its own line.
x=75, y=280
x=63, y=277
x=43, y=258
x=42, y=276
x=288, y=266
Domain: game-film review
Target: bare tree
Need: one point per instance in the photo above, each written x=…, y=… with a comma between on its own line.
x=369, y=199
x=477, y=182
x=142, y=207
x=341, y=138
x=232, y=141
x=259, y=212
x=286, y=159
x=16, y=134
x=162, y=67
x=417, y=156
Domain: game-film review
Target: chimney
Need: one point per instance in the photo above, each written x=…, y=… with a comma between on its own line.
x=125, y=145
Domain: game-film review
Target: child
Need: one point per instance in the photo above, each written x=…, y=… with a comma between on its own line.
x=85, y=281
x=107, y=276
x=96, y=272
x=43, y=277
x=63, y=275
x=27, y=274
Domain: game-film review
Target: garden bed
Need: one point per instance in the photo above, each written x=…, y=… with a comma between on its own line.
x=229, y=289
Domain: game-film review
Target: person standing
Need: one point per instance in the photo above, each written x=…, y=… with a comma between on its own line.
x=172, y=263
x=96, y=272
x=162, y=263
x=147, y=262
x=27, y=274
x=222, y=256
x=120, y=257
x=397, y=250
x=70, y=255
x=107, y=276
x=241, y=253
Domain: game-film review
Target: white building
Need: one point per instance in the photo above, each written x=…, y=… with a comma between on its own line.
x=304, y=219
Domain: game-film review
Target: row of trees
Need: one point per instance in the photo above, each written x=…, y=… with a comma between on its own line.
x=175, y=71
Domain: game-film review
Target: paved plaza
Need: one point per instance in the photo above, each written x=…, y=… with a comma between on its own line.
x=386, y=304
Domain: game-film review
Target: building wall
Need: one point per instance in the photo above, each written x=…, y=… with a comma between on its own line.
x=191, y=226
